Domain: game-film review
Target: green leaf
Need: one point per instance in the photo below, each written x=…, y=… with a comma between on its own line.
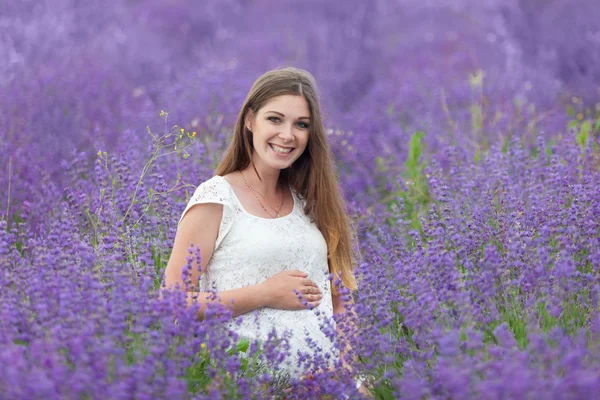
x=415, y=149
x=586, y=127
x=570, y=111
x=243, y=345
x=584, y=134
x=573, y=124
x=380, y=163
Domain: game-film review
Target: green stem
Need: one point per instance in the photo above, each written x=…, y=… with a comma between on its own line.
x=9, y=181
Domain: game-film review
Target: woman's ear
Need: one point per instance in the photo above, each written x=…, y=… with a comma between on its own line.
x=248, y=120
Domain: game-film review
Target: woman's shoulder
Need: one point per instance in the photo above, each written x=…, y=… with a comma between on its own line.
x=215, y=189
x=215, y=180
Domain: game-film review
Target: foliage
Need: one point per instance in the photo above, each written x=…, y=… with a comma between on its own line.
x=469, y=158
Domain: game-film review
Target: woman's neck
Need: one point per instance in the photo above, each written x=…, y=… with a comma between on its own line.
x=268, y=187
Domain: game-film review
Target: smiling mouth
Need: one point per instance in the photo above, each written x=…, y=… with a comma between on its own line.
x=281, y=150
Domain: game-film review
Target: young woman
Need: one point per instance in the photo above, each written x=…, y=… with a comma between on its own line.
x=272, y=222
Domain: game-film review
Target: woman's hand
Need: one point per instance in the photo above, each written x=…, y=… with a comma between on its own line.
x=280, y=289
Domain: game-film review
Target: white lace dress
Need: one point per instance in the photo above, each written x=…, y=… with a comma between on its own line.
x=249, y=249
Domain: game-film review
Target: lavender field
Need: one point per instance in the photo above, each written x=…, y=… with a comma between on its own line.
x=466, y=136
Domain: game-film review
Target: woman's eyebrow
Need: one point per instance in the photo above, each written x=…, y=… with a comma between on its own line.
x=277, y=112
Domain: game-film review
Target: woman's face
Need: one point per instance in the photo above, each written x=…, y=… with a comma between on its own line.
x=280, y=131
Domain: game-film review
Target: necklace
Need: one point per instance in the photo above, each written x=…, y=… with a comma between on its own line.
x=256, y=194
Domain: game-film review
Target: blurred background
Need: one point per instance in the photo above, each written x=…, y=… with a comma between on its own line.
x=77, y=77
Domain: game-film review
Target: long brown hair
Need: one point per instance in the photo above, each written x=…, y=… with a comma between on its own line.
x=313, y=175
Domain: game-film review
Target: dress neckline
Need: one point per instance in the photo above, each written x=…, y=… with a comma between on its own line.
x=256, y=216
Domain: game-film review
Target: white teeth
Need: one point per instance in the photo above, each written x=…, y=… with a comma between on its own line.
x=280, y=149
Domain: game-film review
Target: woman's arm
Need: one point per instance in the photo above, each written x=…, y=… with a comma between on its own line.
x=200, y=227
x=240, y=301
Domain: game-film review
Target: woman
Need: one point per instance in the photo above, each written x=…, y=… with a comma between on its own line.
x=272, y=223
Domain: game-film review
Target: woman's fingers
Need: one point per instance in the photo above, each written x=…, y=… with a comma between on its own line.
x=310, y=289
x=309, y=303
x=311, y=298
x=308, y=282
x=298, y=273
x=311, y=294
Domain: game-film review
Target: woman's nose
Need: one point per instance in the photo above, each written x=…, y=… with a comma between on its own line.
x=286, y=134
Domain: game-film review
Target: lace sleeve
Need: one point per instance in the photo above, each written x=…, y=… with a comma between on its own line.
x=214, y=191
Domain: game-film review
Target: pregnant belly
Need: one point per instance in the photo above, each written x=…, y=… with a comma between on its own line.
x=308, y=334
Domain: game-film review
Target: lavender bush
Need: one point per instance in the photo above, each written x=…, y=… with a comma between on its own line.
x=466, y=137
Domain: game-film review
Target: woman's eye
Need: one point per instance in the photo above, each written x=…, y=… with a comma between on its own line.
x=302, y=125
